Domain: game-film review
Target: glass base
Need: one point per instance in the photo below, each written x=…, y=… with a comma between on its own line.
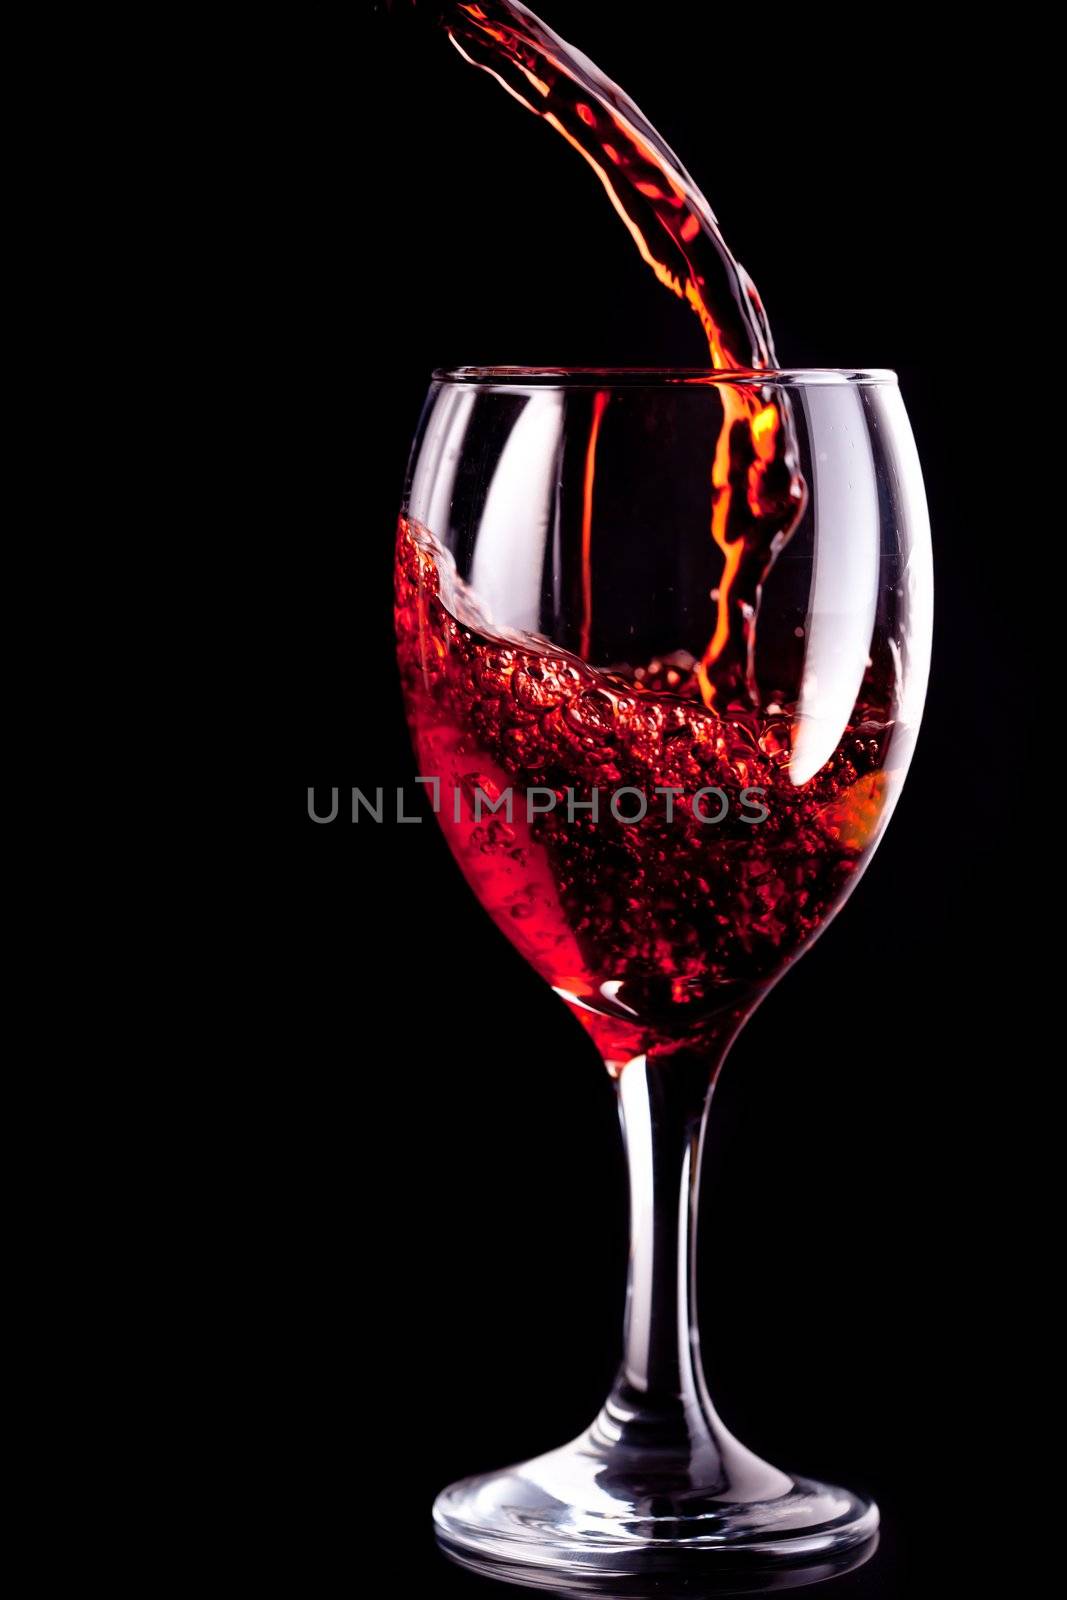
x=584, y=1509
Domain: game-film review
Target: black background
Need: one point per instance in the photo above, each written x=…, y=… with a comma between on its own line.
x=428, y=1216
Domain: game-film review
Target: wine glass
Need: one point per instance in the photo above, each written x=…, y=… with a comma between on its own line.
x=664, y=639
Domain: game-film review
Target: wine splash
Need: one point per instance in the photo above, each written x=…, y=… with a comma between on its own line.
x=647, y=927
x=757, y=493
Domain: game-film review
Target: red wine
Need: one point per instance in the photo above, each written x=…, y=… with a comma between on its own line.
x=655, y=927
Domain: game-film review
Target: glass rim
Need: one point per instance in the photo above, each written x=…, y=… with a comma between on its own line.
x=653, y=377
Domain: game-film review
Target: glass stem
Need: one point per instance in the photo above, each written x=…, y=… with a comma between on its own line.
x=660, y=1404
x=661, y=1107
